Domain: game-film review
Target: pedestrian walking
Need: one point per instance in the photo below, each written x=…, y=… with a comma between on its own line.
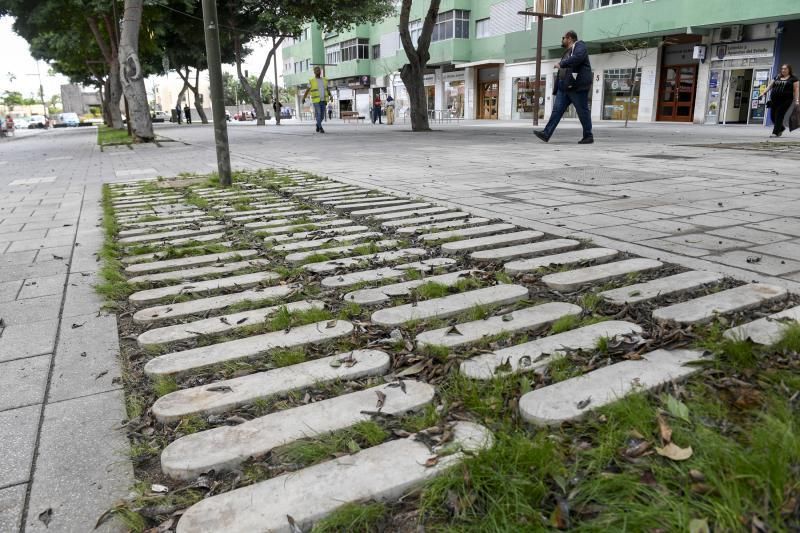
x=330, y=110
x=187, y=113
x=572, y=87
x=376, y=109
x=784, y=98
x=389, y=110
x=318, y=88
x=179, y=113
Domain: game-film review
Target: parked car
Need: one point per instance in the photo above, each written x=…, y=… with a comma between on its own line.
x=68, y=119
x=160, y=116
x=37, y=121
x=21, y=123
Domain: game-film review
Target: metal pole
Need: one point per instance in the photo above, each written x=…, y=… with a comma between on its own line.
x=276, y=91
x=536, y=88
x=211, y=24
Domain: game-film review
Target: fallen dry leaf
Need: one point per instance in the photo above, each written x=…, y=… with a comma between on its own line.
x=664, y=430
x=381, y=400
x=676, y=453
x=698, y=525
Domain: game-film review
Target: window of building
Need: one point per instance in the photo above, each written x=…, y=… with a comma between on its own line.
x=524, y=94
x=451, y=24
x=559, y=7
x=595, y=4
x=414, y=29
x=482, y=29
x=617, y=97
x=355, y=49
x=454, y=91
x=376, y=51
x=333, y=54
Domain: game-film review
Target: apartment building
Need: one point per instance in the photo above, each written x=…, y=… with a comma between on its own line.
x=700, y=61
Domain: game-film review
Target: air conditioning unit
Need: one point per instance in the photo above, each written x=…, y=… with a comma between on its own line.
x=731, y=34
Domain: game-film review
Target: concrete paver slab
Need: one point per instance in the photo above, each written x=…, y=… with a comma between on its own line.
x=12, y=501
x=81, y=470
x=18, y=428
x=23, y=381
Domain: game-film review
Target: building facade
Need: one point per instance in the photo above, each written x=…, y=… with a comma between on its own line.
x=653, y=60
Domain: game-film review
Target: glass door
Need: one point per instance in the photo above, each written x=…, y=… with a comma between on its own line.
x=488, y=99
x=677, y=93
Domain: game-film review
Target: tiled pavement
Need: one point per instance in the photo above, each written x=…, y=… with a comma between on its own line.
x=701, y=207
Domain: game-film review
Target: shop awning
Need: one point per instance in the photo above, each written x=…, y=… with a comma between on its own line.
x=481, y=63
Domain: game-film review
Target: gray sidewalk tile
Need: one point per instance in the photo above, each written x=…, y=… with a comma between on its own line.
x=790, y=250
x=34, y=244
x=82, y=468
x=18, y=258
x=86, y=360
x=755, y=236
x=707, y=242
x=18, y=428
x=82, y=299
x=9, y=290
x=30, y=310
x=757, y=262
x=22, y=382
x=35, y=270
x=12, y=502
x=26, y=340
x=628, y=233
x=44, y=286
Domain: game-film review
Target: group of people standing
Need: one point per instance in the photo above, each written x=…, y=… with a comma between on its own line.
x=187, y=113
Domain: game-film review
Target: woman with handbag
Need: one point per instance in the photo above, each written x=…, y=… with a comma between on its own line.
x=784, y=98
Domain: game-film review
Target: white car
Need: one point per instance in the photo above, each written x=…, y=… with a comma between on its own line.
x=161, y=116
x=37, y=121
x=21, y=123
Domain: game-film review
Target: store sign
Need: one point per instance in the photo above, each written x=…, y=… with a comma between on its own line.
x=454, y=76
x=358, y=83
x=430, y=79
x=743, y=50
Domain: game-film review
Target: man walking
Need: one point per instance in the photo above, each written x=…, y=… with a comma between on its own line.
x=572, y=87
x=318, y=87
x=187, y=112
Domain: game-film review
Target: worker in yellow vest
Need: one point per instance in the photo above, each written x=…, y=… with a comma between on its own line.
x=318, y=87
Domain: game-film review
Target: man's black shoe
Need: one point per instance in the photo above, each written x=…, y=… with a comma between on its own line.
x=318, y=128
x=541, y=135
x=586, y=140
x=321, y=130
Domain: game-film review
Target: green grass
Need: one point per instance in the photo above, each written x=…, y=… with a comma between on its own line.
x=281, y=358
x=366, y=249
x=412, y=274
x=163, y=385
x=192, y=424
x=435, y=351
x=590, y=301
x=108, y=136
x=790, y=340
x=307, y=452
x=354, y=518
x=562, y=369
x=502, y=277
x=565, y=323
x=430, y=290
x=478, y=312
x=113, y=285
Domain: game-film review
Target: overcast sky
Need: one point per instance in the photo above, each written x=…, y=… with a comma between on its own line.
x=17, y=60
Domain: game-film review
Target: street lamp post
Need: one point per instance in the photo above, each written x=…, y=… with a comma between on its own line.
x=539, y=31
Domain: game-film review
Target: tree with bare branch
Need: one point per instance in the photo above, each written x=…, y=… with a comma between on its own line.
x=413, y=72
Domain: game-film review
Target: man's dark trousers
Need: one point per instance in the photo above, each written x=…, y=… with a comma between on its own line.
x=580, y=99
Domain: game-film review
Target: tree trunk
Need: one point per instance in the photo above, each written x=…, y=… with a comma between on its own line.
x=105, y=105
x=115, y=97
x=197, y=103
x=276, y=92
x=108, y=47
x=413, y=72
x=254, y=93
x=414, y=80
x=132, y=74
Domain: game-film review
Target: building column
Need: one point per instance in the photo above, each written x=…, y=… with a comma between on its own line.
x=470, y=92
x=703, y=78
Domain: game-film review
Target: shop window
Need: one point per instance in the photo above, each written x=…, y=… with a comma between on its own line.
x=455, y=98
x=355, y=49
x=617, y=97
x=525, y=96
x=482, y=29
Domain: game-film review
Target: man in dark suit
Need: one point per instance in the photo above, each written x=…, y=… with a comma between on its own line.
x=572, y=87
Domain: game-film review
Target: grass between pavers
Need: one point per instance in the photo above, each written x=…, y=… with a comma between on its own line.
x=109, y=136
x=583, y=475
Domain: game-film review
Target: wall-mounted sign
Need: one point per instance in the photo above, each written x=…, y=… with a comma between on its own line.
x=430, y=79
x=453, y=76
x=743, y=50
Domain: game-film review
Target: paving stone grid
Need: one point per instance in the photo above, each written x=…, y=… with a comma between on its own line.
x=383, y=283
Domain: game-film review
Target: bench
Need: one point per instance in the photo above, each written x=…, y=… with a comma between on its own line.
x=351, y=115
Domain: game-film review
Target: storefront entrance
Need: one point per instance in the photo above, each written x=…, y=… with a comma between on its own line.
x=677, y=94
x=739, y=71
x=488, y=92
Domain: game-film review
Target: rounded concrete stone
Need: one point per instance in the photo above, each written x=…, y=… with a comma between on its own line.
x=244, y=281
x=522, y=266
x=525, y=250
x=450, y=305
x=575, y=279
x=707, y=307
x=222, y=396
x=223, y=448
